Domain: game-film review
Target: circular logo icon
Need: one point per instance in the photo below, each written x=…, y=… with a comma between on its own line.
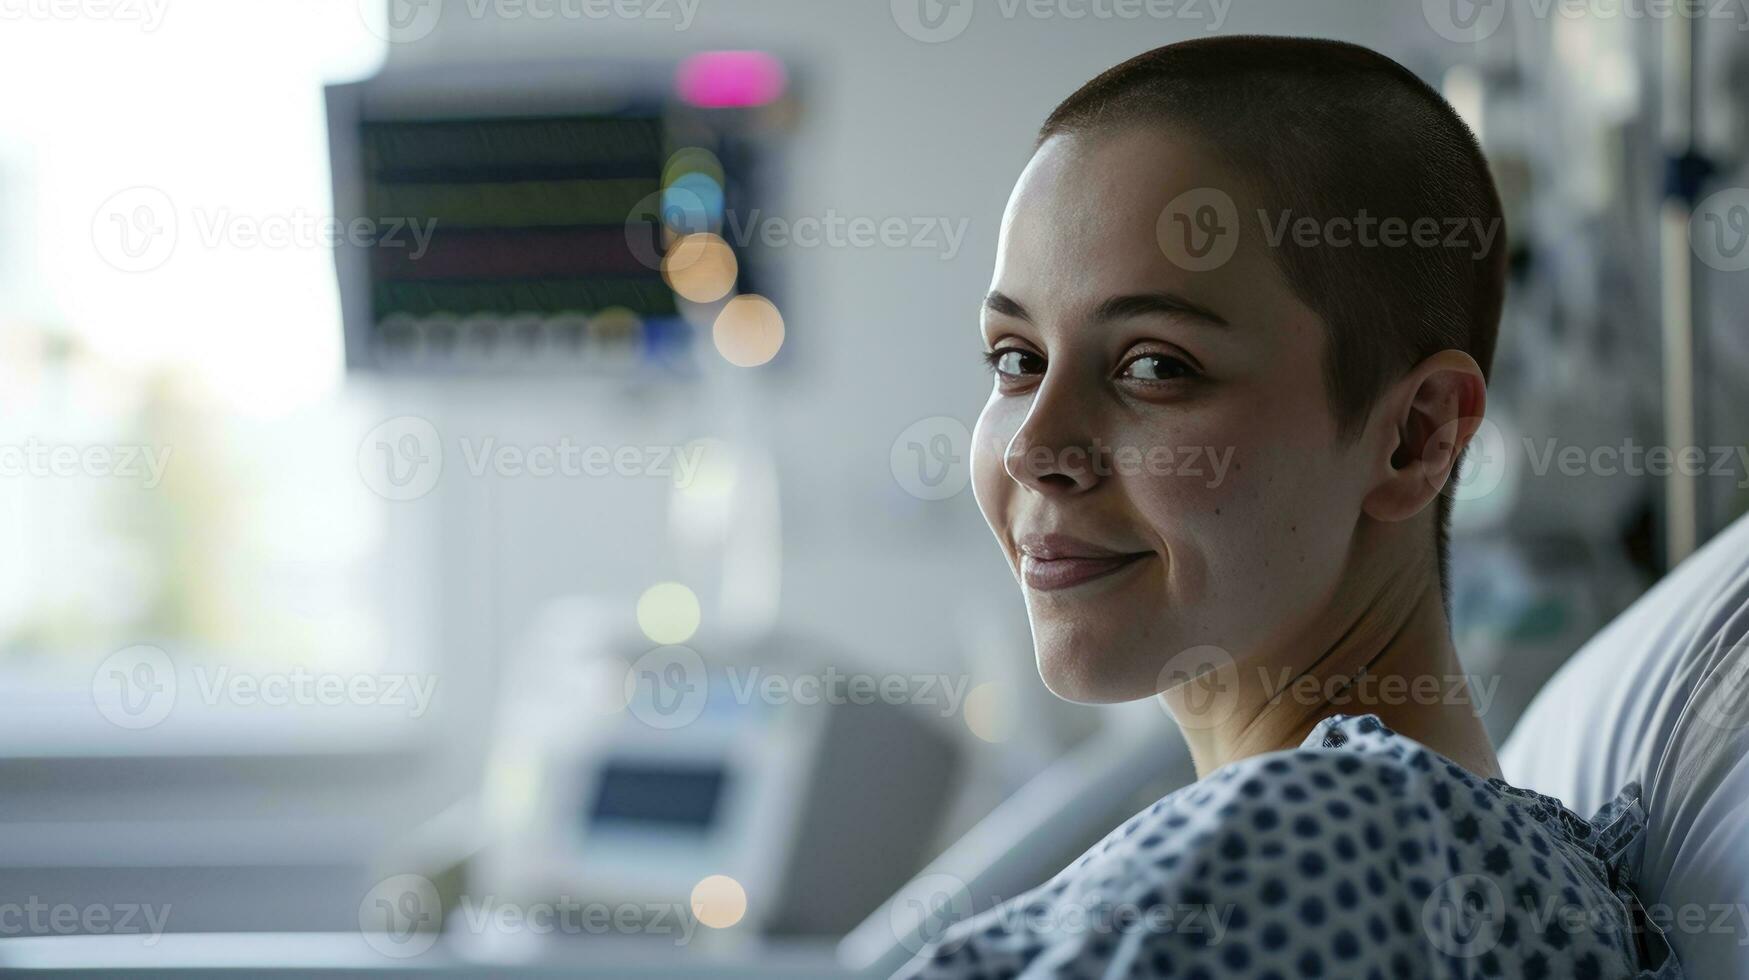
x=1199, y=229
x=1718, y=230
x=667, y=215
x=1464, y=21
x=399, y=916
x=667, y=687
x=1464, y=916
x=932, y=458
x=1724, y=704
x=400, y=21
x=1199, y=687
x=401, y=458
x=134, y=230
x=922, y=911
x=136, y=687
x=932, y=21
x=1484, y=464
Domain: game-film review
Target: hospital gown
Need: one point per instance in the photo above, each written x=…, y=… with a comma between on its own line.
x=1361, y=854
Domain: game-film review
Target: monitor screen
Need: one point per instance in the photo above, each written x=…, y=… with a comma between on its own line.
x=674, y=796
x=516, y=231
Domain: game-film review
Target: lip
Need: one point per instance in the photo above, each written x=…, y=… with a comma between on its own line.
x=1050, y=562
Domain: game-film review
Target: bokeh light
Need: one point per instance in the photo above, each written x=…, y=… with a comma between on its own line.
x=725, y=79
x=719, y=901
x=692, y=160
x=668, y=613
x=987, y=712
x=701, y=268
x=748, y=331
x=693, y=202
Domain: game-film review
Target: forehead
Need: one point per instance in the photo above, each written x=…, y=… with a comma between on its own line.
x=1085, y=222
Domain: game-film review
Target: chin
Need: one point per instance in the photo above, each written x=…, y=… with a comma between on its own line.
x=1089, y=669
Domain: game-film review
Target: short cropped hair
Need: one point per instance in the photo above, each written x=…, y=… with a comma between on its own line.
x=1326, y=129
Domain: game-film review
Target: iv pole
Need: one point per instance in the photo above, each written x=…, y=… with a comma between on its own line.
x=1683, y=395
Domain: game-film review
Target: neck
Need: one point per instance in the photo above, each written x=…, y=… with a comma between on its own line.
x=1389, y=656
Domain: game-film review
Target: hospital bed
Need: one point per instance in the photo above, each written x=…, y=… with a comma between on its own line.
x=1661, y=697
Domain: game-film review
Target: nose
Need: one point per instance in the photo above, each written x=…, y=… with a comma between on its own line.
x=1054, y=452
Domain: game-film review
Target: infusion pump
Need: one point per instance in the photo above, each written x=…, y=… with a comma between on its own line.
x=632, y=772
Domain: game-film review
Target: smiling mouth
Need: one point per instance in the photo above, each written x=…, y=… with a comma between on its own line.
x=1052, y=574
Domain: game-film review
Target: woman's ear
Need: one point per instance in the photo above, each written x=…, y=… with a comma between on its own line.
x=1429, y=417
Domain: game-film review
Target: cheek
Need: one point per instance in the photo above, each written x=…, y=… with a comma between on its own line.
x=991, y=485
x=1251, y=513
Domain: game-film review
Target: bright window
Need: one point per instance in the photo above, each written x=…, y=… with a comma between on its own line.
x=177, y=452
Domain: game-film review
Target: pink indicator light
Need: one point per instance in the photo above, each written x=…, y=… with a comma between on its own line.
x=726, y=79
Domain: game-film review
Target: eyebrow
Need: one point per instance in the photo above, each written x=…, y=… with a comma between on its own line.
x=1119, y=308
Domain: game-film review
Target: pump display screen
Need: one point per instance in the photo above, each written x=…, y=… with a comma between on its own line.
x=673, y=797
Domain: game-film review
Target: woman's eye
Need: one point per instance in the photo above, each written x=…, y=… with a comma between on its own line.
x=1157, y=367
x=1014, y=362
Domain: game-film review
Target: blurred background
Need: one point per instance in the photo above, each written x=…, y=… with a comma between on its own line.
x=483, y=483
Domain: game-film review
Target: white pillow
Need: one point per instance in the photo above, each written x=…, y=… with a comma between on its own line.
x=1661, y=696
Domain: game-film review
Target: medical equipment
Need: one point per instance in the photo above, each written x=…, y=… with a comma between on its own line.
x=630, y=772
x=552, y=217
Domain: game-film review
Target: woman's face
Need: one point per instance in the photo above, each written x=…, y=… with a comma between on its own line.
x=1158, y=458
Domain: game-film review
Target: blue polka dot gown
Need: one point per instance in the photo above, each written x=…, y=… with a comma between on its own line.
x=1361, y=854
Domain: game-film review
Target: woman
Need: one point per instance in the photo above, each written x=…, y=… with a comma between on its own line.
x=1287, y=256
